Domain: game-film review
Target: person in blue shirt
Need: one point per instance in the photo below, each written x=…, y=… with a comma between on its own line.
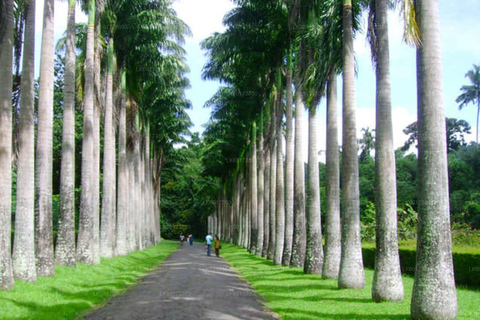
x=209, y=240
x=190, y=239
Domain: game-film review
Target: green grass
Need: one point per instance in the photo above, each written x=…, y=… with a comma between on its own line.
x=71, y=292
x=294, y=295
x=412, y=245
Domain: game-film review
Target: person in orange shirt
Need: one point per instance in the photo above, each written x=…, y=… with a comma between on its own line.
x=217, y=245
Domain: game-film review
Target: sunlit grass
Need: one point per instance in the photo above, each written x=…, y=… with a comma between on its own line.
x=294, y=295
x=73, y=291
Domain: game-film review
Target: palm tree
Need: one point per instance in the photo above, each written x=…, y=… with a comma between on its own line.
x=6, y=64
x=85, y=244
x=351, y=273
x=331, y=263
x=253, y=192
x=299, y=236
x=280, y=182
x=261, y=189
x=287, y=250
x=471, y=93
x=387, y=277
x=314, y=250
x=65, y=248
x=434, y=294
x=122, y=179
x=43, y=170
x=24, y=243
x=107, y=231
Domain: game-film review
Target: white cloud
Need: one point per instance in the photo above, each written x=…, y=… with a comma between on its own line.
x=203, y=17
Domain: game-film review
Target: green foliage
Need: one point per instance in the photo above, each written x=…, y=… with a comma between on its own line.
x=298, y=296
x=407, y=223
x=73, y=291
x=188, y=196
x=464, y=235
x=367, y=222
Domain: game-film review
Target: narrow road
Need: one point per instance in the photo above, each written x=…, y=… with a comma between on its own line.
x=188, y=285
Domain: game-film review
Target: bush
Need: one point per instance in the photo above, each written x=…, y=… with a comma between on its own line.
x=466, y=265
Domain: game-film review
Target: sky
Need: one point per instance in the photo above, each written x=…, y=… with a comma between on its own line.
x=459, y=25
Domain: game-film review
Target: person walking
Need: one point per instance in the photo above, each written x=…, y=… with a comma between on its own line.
x=182, y=238
x=217, y=246
x=191, y=239
x=209, y=240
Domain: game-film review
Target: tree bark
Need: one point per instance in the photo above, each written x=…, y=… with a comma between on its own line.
x=434, y=294
x=333, y=248
x=85, y=244
x=387, y=277
x=6, y=79
x=314, y=250
x=23, y=256
x=299, y=235
x=287, y=250
x=351, y=273
x=107, y=230
x=266, y=203
x=122, y=190
x=65, y=249
x=254, y=193
x=261, y=192
x=44, y=157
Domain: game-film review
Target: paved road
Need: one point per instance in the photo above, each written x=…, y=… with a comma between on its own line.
x=188, y=285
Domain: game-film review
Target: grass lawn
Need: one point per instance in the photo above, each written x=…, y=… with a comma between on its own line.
x=294, y=295
x=71, y=292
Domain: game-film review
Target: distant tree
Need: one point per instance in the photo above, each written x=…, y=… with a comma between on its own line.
x=367, y=143
x=455, y=134
x=471, y=93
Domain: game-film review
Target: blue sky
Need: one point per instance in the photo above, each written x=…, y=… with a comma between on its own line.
x=460, y=29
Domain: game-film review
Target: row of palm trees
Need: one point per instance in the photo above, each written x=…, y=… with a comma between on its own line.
x=125, y=69
x=275, y=49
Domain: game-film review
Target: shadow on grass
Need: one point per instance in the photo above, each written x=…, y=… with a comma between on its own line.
x=299, y=315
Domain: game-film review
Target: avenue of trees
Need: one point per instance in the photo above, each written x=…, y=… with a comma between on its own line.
x=82, y=148
x=278, y=57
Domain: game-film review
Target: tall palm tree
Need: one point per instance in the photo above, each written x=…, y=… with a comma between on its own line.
x=314, y=250
x=387, y=277
x=24, y=242
x=122, y=179
x=471, y=93
x=280, y=178
x=65, y=247
x=434, y=294
x=107, y=231
x=331, y=263
x=351, y=273
x=6, y=67
x=85, y=244
x=253, y=192
x=299, y=236
x=261, y=189
x=43, y=170
x=289, y=156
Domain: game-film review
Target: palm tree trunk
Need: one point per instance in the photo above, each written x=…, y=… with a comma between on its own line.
x=23, y=256
x=287, y=250
x=387, y=276
x=253, y=193
x=122, y=190
x=280, y=185
x=261, y=191
x=331, y=264
x=434, y=294
x=299, y=236
x=351, y=273
x=314, y=249
x=107, y=231
x=266, y=202
x=43, y=206
x=273, y=185
x=6, y=66
x=65, y=249
x=85, y=243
